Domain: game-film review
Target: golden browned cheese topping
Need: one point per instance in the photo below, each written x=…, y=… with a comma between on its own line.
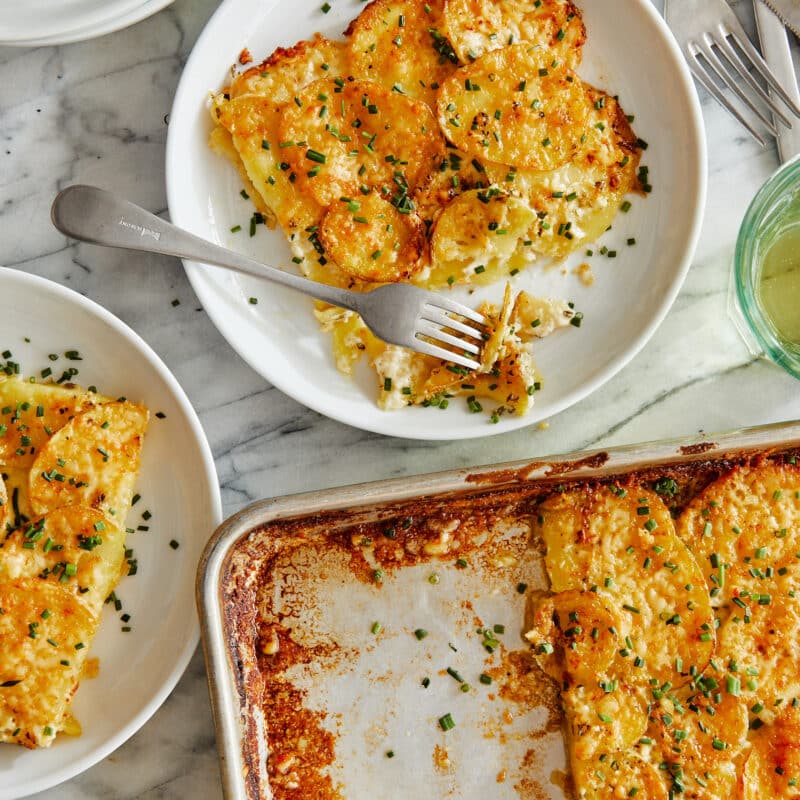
x=676, y=646
x=467, y=118
x=69, y=459
x=378, y=130
x=478, y=26
x=400, y=43
x=518, y=106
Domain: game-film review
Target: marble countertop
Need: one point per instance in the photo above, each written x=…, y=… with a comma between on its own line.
x=95, y=112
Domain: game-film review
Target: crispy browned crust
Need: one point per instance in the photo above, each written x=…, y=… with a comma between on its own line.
x=281, y=54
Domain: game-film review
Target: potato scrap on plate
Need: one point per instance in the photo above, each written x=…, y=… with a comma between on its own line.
x=475, y=27
x=65, y=493
x=444, y=143
x=698, y=618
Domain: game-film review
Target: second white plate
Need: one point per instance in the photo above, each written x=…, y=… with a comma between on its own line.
x=37, y=24
x=179, y=491
x=632, y=293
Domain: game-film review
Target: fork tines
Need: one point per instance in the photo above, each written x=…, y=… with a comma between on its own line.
x=722, y=55
x=438, y=325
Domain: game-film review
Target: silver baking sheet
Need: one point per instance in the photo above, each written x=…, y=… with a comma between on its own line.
x=362, y=684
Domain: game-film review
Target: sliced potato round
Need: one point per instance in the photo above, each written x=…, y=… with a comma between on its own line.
x=568, y=542
x=248, y=114
x=371, y=240
x=253, y=124
x=623, y=544
x=700, y=730
x=74, y=535
x=618, y=776
x=700, y=738
x=477, y=233
x=34, y=411
x=475, y=27
x=401, y=43
x=743, y=524
x=39, y=630
x=92, y=461
x=767, y=644
x=518, y=106
x=773, y=765
x=338, y=137
x=289, y=68
x=602, y=721
x=454, y=173
x=574, y=204
x=571, y=637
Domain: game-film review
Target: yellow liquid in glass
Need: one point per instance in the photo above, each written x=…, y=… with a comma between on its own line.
x=779, y=284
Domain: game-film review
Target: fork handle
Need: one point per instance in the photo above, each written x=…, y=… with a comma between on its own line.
x=99, y=217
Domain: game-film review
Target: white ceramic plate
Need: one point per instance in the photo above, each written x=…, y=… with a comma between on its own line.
x=177, y=484
x=41, y=22
x=629, y=52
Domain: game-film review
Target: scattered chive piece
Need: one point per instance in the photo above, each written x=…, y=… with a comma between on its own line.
x=455, y=674
x=446, y=722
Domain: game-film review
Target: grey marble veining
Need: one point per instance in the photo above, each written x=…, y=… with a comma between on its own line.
x=95, y=112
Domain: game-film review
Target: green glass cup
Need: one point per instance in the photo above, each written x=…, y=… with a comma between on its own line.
x=766, y=270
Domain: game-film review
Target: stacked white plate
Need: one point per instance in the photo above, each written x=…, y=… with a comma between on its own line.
x=44, y=22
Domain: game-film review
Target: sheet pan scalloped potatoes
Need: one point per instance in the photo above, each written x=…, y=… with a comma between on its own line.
x=448, y=142
x=676, y=642
x=68, y=462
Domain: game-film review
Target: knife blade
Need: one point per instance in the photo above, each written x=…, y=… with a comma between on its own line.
x=788, y=11
x=775, y=49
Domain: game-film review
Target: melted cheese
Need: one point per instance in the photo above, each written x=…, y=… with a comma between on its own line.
x=64, y=546
x=400, y=43
x=515, y=106
x=35, y=409
x=703, y=619
x=372, y=241
x=366, y=136
x=476, y=27
x=100, y=475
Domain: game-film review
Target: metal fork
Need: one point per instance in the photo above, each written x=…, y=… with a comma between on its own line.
x=718, y=51
x=397, y=313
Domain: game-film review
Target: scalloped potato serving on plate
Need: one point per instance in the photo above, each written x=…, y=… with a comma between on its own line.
x=445, y=143
x=68, y=462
